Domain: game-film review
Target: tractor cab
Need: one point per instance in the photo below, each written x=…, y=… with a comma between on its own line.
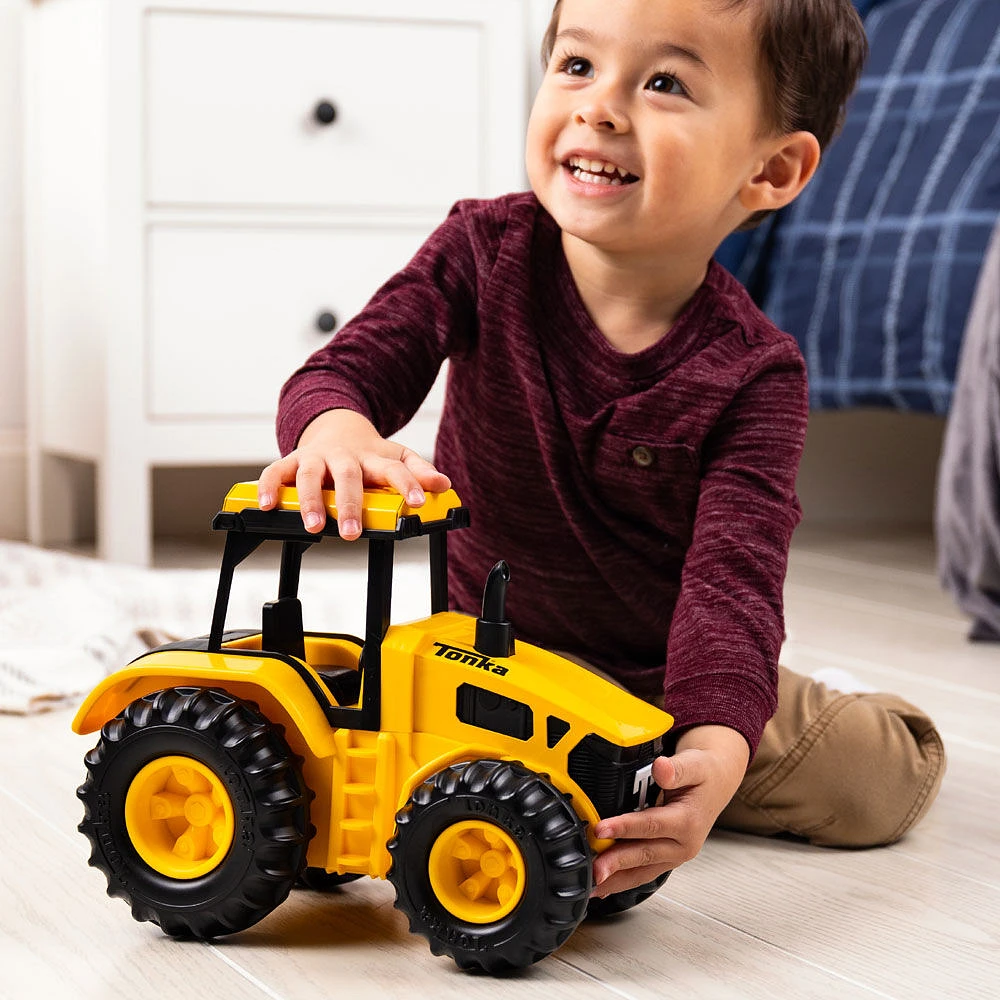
x=349, y=666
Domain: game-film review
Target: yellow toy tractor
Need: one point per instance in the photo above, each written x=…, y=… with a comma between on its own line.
x=464, y=766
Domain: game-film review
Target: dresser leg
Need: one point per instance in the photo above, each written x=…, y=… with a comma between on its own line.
x=125, y=512
x=60, y=499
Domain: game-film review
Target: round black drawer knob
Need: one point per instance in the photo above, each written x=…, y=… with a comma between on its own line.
x=325, y=113
x=326, y=322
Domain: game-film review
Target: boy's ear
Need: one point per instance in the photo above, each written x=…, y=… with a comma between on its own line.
x=791, y=162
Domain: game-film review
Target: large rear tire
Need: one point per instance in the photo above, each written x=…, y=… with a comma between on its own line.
x=491, y=864
x=196, y=811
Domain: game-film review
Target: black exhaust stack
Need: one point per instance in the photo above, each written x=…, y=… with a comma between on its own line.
x=494, y=634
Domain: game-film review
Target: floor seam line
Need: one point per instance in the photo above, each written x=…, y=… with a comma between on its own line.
x=784, y=951
x=589, y=975
x=244, y=973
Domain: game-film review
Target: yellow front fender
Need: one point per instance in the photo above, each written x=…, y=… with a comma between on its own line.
x=285, y=695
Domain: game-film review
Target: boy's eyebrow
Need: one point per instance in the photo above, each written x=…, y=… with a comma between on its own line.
x=660, y=48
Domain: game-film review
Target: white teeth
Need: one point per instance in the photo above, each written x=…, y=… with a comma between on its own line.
x=598, y=168
x=590, y=178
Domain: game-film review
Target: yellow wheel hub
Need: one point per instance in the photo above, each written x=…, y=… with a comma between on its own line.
x=477, y=871
x=179, y=817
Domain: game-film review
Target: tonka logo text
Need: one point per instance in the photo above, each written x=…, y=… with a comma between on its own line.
x=469, y=658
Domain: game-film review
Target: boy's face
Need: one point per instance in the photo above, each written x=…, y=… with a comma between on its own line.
x=665, y=94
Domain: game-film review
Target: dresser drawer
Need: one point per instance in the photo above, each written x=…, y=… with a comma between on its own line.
x=233, y=312
x=232, y=103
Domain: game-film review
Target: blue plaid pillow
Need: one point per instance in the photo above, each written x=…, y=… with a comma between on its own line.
x=873, y=269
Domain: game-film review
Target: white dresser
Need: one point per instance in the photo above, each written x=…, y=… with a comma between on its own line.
x=213, y=186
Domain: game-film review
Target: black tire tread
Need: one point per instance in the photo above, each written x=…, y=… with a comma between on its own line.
x=273, y=774
x=556, y=828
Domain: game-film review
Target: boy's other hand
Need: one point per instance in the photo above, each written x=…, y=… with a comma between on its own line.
x=697, y=782
x=343, y=450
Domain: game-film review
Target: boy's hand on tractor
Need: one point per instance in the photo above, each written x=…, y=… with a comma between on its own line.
x=697, y=782
x=343, y=450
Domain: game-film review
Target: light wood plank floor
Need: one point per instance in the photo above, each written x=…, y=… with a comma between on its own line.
x=749, y=918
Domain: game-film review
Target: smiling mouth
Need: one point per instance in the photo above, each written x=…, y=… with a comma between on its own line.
x=598, y=172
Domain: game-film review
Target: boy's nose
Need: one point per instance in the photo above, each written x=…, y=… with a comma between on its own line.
x=601, y=117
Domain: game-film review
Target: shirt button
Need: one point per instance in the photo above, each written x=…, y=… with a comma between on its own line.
x=642, y=456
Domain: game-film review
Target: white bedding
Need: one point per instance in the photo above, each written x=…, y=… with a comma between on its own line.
x=66, y=621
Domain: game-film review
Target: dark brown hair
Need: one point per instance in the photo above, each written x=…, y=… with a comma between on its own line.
x=810, y=54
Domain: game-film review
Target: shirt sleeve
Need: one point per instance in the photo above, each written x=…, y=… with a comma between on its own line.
x=728, y=624
x=384, y=361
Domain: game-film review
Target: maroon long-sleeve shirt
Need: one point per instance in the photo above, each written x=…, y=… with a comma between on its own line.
x=645, y=502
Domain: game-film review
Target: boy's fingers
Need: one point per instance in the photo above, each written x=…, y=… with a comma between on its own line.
x=683, y=770
x=309, y=482
x=425, y=472
x=407, y=473
x=279, y=472
x=669, y=773
x=267, y=487
x=643, y=825
x=349, y=485
x=665, y=772
x=394, y=473
x=628, y=879
x=403, y=470
x=639, y=855
x=408, y=487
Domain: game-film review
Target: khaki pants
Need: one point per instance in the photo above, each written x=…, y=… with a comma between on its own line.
x=839, y=770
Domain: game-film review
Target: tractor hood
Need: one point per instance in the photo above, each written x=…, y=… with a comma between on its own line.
x=554, y=693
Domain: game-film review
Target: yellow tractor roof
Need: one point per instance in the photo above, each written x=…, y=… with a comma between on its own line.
x=382, y=507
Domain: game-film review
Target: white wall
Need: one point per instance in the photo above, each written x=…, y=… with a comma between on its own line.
x=539, y=13
x=858, y=466
x=12, y=403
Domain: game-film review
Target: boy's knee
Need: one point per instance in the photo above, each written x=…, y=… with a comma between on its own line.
x=882, y=762
x=861, y=772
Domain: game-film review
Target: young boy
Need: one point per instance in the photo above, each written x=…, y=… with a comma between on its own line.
x=623, y=423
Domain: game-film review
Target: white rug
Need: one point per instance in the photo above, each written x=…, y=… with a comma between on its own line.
x=67, y=621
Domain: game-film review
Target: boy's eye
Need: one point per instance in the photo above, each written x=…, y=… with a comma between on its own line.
x=666, y=83
x=577, y=66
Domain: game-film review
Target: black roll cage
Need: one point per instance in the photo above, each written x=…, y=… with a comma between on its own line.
x=248, y=529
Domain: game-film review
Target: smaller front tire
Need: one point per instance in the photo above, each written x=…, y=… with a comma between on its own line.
x=491, y=864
